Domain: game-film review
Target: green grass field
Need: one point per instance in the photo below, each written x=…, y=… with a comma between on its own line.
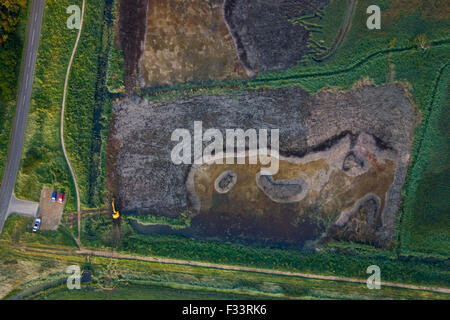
x=42, y=158
x=17, y=230
x=140, y=292
x=426, y=223
x=338, y=260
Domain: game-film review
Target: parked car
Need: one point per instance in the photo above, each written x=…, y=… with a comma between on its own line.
x=54, y=195
x=37, y=224
x=61, y=198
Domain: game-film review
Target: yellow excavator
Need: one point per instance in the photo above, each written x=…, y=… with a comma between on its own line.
x=116, y=213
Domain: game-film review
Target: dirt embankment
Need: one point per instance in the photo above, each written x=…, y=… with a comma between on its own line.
x=132, y=19
x=350, y=150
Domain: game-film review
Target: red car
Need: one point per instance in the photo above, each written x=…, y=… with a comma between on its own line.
x=61, y=197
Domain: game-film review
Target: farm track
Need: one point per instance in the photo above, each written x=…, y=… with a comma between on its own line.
x=115, y=255
x=63, y=105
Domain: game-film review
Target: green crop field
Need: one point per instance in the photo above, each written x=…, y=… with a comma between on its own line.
x=411, y=49
x=131, y=279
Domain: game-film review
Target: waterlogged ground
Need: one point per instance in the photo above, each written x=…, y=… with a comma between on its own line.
x=346, y=154
x=300, y=202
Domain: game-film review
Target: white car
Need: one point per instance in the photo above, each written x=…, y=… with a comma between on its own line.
x=37, y=224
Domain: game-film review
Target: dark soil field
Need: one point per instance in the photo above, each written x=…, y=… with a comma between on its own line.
x=264, y=36
x=132, y=15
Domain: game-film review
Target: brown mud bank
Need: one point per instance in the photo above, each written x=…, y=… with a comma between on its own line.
x=343, y=161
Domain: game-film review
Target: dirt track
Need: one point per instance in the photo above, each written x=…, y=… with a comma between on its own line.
x=116, y=255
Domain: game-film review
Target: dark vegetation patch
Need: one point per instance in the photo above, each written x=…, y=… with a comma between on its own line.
x=132, y=17
x=363, y=224
x=265, y=37
x=12, y=28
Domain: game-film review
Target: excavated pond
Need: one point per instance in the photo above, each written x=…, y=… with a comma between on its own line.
x=343, y=162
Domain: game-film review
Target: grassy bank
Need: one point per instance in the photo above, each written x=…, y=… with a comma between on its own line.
x=390, y=55
x=10, y=58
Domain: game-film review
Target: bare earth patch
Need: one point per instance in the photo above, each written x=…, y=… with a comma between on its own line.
x=187, y=40
x=265, y=37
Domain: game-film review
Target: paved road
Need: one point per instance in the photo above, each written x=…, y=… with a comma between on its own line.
x=23, y=104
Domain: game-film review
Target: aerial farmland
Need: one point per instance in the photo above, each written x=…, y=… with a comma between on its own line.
x=225, y=150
